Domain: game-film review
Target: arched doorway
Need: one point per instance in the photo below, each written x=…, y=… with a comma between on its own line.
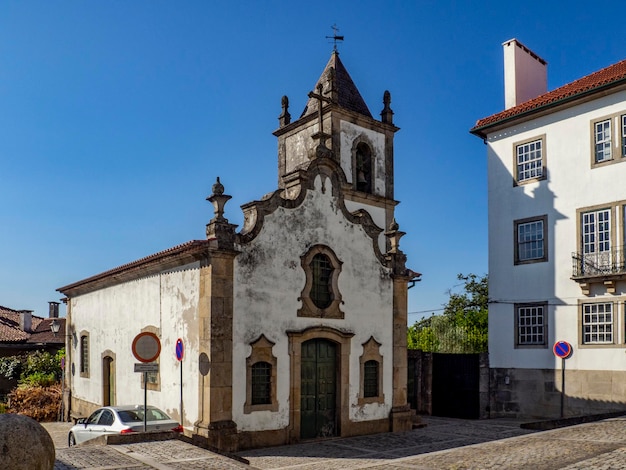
x=318, y=397
x=108, y=381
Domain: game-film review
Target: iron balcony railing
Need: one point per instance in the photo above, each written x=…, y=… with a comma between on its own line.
x=601, y=263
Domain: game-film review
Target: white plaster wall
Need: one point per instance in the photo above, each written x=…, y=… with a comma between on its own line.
x=349, y=132
x=299, y=145
x=571, y=184
x=115, y=315
x=267, y=291
x=378, y=216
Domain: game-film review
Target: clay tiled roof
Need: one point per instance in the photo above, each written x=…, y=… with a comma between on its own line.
x=600, y=80
x=10, y=331
x=348, y=96
x=142, y=267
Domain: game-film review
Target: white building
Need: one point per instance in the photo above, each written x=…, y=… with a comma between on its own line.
x=295, y=327
x=557, y=219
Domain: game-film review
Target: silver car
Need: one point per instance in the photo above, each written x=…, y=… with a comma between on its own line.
x=120, y=420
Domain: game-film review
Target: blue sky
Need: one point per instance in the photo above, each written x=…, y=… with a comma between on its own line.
x=117, y=116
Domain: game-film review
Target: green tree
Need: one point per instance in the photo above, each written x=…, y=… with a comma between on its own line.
x=35, y=368
x=462, y=328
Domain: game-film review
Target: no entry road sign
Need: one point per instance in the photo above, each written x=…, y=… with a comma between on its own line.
x=146, y=347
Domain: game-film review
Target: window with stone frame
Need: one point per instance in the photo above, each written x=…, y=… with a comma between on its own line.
x=608, y=137
x=597, y=323
x=84, y=354
x=261, y=377
x=371, y=366
x=596, y=246
x=320, y=296
x=531, y=325
x=531, y=236
x=530, y=160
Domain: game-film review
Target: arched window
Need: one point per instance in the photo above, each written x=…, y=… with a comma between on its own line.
x=321, y=290
x=363, y=168
x=370, y=379
x=261, y=383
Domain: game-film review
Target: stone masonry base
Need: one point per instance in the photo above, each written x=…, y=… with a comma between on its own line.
x=536, y=393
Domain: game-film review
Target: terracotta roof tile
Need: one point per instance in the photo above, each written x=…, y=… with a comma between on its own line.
x=190, y=246
x=10, y=331
x=608, y=76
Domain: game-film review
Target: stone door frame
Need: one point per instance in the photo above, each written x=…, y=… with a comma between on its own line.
x=342, y=340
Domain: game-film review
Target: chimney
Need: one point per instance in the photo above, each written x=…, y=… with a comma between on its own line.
x=525, y=74
x=26, y=320
x=53, y=310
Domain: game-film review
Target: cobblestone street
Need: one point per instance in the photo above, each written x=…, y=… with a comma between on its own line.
x=446, y=444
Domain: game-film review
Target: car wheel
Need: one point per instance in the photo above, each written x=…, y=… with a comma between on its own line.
x=71, y=440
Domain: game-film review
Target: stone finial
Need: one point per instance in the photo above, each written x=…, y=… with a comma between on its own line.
x=218, y=229
x=387, y=114
x=395, y=257
x=285, y=117
x=219, y=200
x=394, y=235
x=218, y=188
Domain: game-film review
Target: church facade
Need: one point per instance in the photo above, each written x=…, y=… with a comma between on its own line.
x=294, y=327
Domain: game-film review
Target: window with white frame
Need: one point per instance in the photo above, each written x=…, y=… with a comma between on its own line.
x=602, y=140
x=530, y=240
x=596, y=241
x=529, y=160
x=597, y=323
x=623, y=126
x=596, y=231
x=531, y=324
x=609, y=138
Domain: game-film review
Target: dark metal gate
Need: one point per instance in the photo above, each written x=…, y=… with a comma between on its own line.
x=455, y=385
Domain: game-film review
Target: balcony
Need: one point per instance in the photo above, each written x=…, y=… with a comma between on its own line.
x=605, y=267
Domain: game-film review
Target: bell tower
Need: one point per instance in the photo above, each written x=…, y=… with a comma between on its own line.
x=336, y=123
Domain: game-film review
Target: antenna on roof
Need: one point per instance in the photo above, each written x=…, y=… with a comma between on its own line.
x=334, y=37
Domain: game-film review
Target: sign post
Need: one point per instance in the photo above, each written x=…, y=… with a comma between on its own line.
x=146, y=348
x=180, y=353
x=563, y=350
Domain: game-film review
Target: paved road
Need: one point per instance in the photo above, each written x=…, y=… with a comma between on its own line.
x=444, y=444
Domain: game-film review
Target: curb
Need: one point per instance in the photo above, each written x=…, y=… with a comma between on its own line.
x=564, y=422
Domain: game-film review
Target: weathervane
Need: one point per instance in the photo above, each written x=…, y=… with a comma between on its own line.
x=334, y=37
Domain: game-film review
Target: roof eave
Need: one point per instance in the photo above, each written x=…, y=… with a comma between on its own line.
x=547, y=108
x=187, y=253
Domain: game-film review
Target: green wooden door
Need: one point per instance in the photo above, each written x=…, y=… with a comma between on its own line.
x=318, y=389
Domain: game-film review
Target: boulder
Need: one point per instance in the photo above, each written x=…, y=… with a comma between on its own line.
x=24, y=444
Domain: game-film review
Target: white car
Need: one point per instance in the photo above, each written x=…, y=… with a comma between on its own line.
x=120, y=420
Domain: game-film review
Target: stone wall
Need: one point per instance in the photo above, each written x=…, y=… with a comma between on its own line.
x=536, y=393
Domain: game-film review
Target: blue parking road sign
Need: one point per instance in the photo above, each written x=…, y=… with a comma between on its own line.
x=180, y=349
x=562, y=349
